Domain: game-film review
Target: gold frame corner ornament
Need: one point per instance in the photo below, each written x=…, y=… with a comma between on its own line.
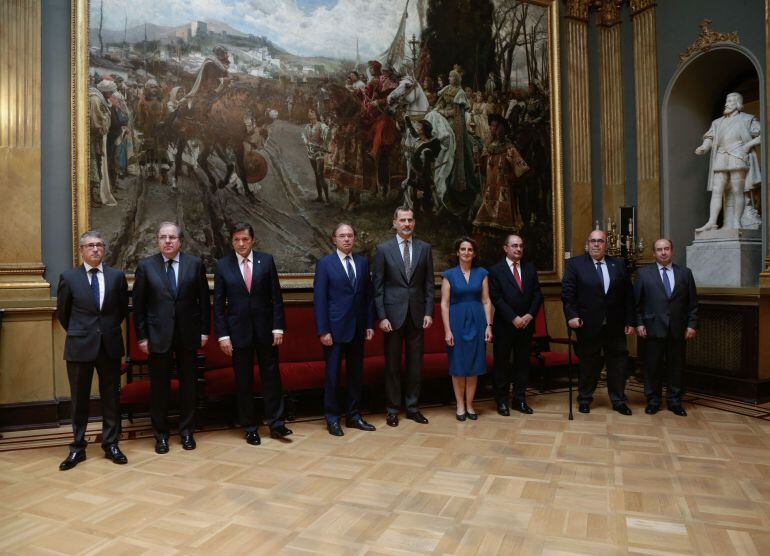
x=80, y=138
x=706, y=40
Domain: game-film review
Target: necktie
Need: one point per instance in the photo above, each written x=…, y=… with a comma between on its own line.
x=601, y=276
x=516, y=276
x=407, y=258
x=247, y=274
x=171, y=277
x=666, y=282
x=351, y=274
x=95, y=286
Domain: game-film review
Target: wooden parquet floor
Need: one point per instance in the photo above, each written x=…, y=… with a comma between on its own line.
x=537, y=484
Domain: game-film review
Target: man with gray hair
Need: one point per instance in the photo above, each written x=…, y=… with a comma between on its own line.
x=91, y=303
x=171, y=316
x=731, y=139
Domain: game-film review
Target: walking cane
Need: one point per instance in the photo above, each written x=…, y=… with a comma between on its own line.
x=569, y=369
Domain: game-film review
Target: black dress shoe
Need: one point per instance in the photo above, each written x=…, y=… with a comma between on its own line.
x=113, y=453
x=392, y=419
x=161, y=446
x=335, y=429
x=188, y=442
x=72, y=460
x=281, y=431
x=359, y=424
x=461, y=416
x=651, y=409
x=417, y=417
x=584, y=408
x=502, y=409
x=622, y=408
x=253, y=438
x=678, y=410
x=522, y=407
x=472, y=416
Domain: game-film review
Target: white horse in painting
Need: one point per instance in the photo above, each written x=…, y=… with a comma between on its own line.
x=412, y=98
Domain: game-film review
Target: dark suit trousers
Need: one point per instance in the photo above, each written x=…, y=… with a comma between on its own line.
x=80, y=374
x=663, y=357
x=520, y=343
x=606, y=349
x=272, y=391
x=160, y=389
x=353, y=352
x=413, y=337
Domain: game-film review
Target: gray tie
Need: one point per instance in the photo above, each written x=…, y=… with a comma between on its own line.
x=407, y=259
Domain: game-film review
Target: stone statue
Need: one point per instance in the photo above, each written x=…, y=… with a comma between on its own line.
x=734, y=168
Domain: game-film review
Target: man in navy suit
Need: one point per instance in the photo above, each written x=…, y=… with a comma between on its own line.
x=515, y=293
x=248, y=317
x=404, y=293
x=666, y=317
x=91, y=303
x=599, y=305
x=171, y=316
x=343, y=302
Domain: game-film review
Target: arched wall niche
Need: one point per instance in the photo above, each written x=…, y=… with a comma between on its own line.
x=694, y=97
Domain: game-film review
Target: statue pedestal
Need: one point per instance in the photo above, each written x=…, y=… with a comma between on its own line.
x=730, y=258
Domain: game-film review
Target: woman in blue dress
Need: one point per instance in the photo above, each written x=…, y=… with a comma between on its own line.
x=467, y=314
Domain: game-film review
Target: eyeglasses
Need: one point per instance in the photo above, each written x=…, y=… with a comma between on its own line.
x=169, y=238
x=93, y=245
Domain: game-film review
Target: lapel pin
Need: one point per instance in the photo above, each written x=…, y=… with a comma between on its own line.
x=258, y=261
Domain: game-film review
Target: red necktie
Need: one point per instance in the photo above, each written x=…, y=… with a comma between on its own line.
x=247, y=274
x=516, y=276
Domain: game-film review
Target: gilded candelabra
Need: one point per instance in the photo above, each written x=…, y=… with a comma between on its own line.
x=624, y=246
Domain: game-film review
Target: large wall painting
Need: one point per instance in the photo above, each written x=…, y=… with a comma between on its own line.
x=296, y=114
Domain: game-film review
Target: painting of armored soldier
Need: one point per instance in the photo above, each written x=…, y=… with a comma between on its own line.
x=296, y=114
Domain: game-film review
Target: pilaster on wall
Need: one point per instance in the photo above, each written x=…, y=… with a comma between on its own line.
x=579, y=133
x=647, y=119
x=611, y=95
x=21, y=268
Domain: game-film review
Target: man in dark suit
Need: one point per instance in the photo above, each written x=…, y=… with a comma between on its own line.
x=171, y=317
x=248, y=317
x=599, y=305
x=666, y=317
x=403, y=296
x=343, y=303
x=91, y=303
x=515, y=292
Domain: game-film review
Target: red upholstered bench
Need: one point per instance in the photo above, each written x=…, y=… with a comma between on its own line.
x=135, y=394
x=543, y=358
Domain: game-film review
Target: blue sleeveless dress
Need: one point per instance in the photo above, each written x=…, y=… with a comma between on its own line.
x=467, y=322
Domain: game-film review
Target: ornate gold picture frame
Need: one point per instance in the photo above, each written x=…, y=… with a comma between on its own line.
x=541, y=224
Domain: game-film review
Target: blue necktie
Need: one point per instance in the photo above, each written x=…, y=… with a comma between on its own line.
x=351, y=274
x=601, y=275
x=95, y=286
x=666, y=282
x=171, y=277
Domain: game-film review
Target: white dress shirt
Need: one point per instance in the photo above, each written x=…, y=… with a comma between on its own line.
x=511, y=264
x=401, y=247
x=342, y=257
x=174, y=267
x=605, y=272
x=669, y=271
x=249, y=262
x=99, y=278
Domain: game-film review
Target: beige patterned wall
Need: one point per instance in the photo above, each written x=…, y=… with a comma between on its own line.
x=21, y=269
x=27, y=364
x=647, y=118
x=579, y=129
x=611, y=96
